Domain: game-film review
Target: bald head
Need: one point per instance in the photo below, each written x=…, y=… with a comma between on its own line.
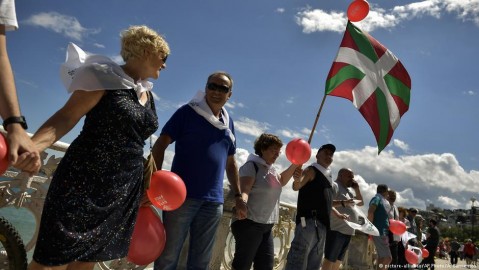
x=346, y=177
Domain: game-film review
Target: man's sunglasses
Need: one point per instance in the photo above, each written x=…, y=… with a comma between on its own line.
x=217, y=87
x=164, y=58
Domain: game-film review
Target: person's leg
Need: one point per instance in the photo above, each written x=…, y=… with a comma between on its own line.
x=393, y=247
x=81, y=266
x=382, y=248
x=176, y=223
x=315, y=256
x=248, y=238
x=202, y=235
x=264, y=259
x=304, y=239
x=331, y=250
x=36, y=266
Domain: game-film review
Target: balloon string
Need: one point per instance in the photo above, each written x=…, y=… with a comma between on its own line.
x=316, y=120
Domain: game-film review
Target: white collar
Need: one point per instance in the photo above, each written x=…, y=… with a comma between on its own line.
x=325, y=171
x=199, y=105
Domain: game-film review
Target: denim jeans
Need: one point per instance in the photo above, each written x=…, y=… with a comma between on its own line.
x=201, y=219
x=307, y=247
x=254, y=243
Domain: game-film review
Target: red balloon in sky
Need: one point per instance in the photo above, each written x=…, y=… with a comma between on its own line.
x=4, y=163
x=298, y=151
x=358, y=10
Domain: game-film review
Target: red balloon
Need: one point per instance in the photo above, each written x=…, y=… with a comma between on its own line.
x=411, y=257
x=425, y=253
x=4, y=163
x=148, y=239
x=397, y=227
x=358, y=10
x=298, y=151
x=167, y=191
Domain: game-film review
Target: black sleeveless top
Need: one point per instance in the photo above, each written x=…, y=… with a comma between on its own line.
x=317, y=195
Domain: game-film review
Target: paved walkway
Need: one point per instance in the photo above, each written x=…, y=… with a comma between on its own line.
x=445, y=265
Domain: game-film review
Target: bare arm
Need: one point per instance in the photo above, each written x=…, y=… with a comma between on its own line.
x=233, y=178
x=357, y=191
x=307, y=175
x=371, y=210
x=79, y=103
x=18, y=140
x=159, y=149
x=286, y=175
x=8, y=94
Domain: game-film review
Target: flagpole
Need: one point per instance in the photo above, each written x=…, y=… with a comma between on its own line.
x=316, y=120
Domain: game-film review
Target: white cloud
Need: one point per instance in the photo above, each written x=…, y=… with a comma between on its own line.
x=280, y=10
x=250, y=127
x=290, y=134
x=98, y=45
x=401, y=145
x=470, y=93
x=231, y=104
x=66, y=25
x=317, y=20
x=449, y=202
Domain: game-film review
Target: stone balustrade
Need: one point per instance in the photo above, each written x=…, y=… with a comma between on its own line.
x=19, y=190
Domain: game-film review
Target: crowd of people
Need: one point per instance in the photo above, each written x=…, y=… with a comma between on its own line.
x=97, y=188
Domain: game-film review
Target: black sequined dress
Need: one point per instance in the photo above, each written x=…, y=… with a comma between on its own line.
x=93, y=199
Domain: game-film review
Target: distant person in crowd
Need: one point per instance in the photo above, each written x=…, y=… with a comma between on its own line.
x=205, y=145
x=432, y=242
x=22, y=151
x=454, y=252
x=379, y=208
x=420, y=230
x=94, y=196
x=393, y=238
x=402, y=245
x=261, y=187
x=315, y=199
x=413, y=228
x=338, y=238
x=469, y=251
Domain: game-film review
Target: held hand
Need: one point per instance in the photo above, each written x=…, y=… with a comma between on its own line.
x=23, y=154
x=349, y=202
x=241, y=209
x=355, y=184
x=297, y=173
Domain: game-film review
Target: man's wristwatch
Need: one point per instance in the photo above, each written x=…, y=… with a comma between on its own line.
x=15, y=120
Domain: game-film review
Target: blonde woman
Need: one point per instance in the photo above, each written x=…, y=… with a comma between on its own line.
x=92, y=203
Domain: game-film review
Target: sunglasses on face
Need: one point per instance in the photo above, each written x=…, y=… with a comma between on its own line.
x=164, y=58
x=218, y=88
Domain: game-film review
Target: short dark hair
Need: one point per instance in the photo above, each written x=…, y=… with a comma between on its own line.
x=433, y=221
x=221, y=73
x=382, y=188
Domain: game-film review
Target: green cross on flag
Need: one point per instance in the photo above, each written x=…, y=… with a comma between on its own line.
x=373, y=79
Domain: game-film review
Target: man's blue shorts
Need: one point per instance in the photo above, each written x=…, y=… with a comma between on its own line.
x=336, y=245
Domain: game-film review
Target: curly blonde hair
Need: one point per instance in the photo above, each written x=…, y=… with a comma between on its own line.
x=138, y=39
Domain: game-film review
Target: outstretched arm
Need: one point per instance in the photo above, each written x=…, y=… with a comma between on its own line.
x=18, y=140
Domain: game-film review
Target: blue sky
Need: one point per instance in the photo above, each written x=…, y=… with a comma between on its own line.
x=279, y=54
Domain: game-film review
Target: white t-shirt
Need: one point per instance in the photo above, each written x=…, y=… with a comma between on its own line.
x=8, y=17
